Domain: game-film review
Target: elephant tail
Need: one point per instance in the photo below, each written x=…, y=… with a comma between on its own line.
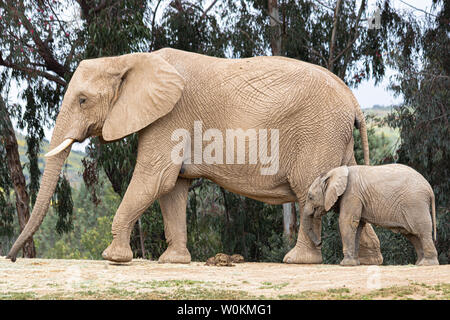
x=433, y=215
x=360, y=123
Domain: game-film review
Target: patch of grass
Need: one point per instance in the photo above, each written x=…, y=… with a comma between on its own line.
x=305, y=295
x=52, y=285
x=118, y=294
x=412, y=291
x=17, y=296
x=269, y=285
x=392, y=292
x=168, y=283
x=208, y=294
x=188, y=290
x=338, y=290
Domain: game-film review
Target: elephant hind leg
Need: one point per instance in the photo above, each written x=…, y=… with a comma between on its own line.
x=417, y=246
x=369, y=247
x=173, y=207
x=429, y=251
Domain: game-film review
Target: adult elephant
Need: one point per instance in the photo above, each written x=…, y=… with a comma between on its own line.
x=158, y=94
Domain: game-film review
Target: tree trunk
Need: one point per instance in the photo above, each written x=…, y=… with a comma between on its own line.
x=17, y=177
x=275, y=41
x=141, y=238
x=333, y=37
x=289, y=219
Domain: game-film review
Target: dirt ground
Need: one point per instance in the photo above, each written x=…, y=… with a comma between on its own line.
x=143, y=279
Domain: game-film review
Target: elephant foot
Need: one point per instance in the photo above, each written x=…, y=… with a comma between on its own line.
x=349, y=262
x=369, y=248
x=118, y=252
x=370, y=256
x=303, y=255
x=428, y=262
x=175, y=255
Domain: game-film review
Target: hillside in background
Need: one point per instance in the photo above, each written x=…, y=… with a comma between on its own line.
x=377, y=110
x=73, y=166
x=391, y=135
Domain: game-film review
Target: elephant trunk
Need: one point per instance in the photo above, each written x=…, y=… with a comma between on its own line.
x=47, y=187
x=307, y=225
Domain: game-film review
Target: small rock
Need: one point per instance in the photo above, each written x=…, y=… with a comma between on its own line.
x=237, y=258
x=224, y=260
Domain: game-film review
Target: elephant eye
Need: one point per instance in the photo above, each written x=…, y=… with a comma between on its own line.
x=82, y=100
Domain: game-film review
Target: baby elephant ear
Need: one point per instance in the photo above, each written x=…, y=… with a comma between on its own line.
x=334, y=185
x=148, y=87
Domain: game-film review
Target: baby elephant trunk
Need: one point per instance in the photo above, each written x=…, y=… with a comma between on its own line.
x=307, y=225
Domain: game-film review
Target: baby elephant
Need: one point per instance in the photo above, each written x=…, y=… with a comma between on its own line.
x=392, y=196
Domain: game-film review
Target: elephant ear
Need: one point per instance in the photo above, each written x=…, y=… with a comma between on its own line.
x=148, y=88
x=334, y=184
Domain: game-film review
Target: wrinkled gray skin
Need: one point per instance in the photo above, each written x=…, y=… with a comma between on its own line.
x=392, y=196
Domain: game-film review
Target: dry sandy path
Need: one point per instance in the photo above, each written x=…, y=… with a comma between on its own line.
x=41, y=277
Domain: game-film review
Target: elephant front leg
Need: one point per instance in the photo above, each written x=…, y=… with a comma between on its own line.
x=350, y=229
x=142, y=191
x=369, y=245
x=305, y=251
x=173, y=207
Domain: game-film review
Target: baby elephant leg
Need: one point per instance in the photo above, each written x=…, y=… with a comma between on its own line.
x=350, y=228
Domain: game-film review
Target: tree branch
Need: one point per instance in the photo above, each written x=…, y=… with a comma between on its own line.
x=28, y=70
x=351, y=41
x=418, y=9
x=207, y=9
x=42, y=48
x=153, y=25
x=59, y=21
x=324, y=5
x=333, y=35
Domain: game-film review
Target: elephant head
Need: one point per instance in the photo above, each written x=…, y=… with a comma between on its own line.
x=322, y=195
x=110, y=98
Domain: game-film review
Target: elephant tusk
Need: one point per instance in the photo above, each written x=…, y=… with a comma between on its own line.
x=60, y=148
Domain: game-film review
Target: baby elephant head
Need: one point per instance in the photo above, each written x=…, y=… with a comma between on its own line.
x=322, y=195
